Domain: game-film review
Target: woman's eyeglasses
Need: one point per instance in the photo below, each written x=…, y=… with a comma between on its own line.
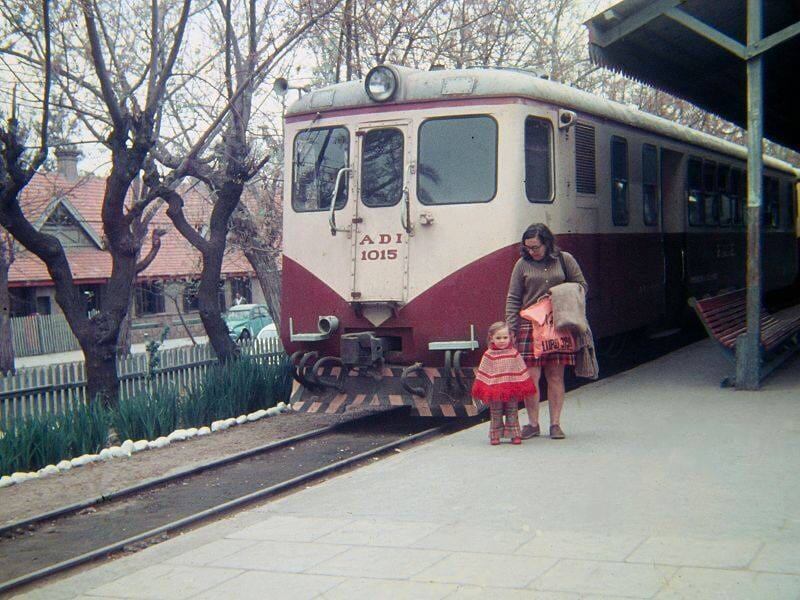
x=533, y=248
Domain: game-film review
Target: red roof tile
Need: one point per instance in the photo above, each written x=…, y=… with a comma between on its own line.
x=176, y=258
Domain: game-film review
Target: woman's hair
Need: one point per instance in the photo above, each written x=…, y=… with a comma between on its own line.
x=544, y=234
x=494, y=328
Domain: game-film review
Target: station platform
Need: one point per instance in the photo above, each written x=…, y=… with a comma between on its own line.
x=666, y=487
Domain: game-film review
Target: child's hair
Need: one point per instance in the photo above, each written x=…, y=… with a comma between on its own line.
x=494, y=328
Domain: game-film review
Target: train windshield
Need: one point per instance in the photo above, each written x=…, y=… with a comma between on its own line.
x=319, y=154
x=382, y=167
x=457, y=160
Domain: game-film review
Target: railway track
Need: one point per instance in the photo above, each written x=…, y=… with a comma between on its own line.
x=46, y=544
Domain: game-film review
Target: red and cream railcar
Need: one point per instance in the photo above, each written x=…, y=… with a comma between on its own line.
x=406, y=196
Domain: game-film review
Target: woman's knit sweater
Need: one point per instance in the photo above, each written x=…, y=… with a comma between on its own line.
x=502, y=377
x=531, y=279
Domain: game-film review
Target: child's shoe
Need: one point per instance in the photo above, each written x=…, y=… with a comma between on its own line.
x=516, y=441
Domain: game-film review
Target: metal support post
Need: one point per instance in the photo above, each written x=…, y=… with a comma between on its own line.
x=748, y=353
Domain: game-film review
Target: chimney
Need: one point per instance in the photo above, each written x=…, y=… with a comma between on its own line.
x=67, y=161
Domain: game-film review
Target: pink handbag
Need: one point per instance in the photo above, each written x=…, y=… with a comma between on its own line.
x=546, y=339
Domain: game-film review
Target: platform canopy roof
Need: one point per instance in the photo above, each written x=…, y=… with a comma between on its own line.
x=696, y=50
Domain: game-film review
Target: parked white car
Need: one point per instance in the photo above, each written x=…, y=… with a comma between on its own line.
x=268, y=332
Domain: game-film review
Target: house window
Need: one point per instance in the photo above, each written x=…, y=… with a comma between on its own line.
x=149, y=298
x=93, y=295
x=619, y=181
x=241, y=288
x=585, y=165
x=190, y=296
x=650, y=184
x=538, y=136
x=23, y=301
x=43, y=305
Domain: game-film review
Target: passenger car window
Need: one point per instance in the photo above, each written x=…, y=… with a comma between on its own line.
x=619, y=181
x=723, y=191
x=694, y=184
x=538, y=143
x=319, y=154
x=650, y=184
x=457, y=160
x=710, y=198
x=382, y=167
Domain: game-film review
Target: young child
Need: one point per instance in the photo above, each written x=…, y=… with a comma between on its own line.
x=501, y=381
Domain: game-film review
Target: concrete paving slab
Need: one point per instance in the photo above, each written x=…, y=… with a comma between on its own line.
x=713, y=584
x=492, y=593
x=778, y=557
x=465, y=536
x=209, y=553
x=719, y=553
x=605, y=578
x=371, y=589
x=290, y=528
x=374, y=532
x=165, y=582
x=260, y=585
x=291, y=557
x=578, y=544
x=384, y=563
x=495, y=570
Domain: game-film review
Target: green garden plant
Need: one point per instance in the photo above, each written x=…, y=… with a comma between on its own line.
x=34, y=442
x=147, y=415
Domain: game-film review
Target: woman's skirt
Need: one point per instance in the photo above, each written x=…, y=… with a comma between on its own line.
x=525, y=347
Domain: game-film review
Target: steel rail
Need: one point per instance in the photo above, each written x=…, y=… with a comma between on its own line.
x=156, y=481
x=210, y=512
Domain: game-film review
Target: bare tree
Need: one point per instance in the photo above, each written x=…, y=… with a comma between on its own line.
x=254, y=38
x=256, y=230
x=117, y=89
x=6, y=335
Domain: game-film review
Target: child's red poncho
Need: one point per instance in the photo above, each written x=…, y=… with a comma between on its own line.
x=502, y=377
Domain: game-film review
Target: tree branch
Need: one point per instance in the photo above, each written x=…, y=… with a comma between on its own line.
x=175, y=213
x=155, y=246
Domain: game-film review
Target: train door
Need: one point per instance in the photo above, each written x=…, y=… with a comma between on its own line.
x=672, y=232
x=380, y=244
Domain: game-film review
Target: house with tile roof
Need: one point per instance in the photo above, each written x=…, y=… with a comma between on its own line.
x=68, y=205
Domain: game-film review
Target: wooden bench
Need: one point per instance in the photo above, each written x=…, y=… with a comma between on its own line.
x=724, y=318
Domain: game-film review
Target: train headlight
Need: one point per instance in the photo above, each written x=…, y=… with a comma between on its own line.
x=381, y=83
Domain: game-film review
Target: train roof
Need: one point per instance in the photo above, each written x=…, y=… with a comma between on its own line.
x=447, y=84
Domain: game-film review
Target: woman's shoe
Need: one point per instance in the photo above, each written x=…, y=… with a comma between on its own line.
x=494, y=441
x=516, y=441
x=556, y=433
x=529, y=431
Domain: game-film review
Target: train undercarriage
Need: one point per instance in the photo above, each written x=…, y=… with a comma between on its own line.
x=361, y=376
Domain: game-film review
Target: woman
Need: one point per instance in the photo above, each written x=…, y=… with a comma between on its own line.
x=541, y=266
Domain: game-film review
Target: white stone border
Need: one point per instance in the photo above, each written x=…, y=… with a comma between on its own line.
x=129, y=447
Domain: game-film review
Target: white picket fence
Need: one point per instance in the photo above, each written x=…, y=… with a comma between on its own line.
x=55, y=388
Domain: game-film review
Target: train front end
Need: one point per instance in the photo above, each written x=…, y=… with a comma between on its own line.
x=390, y=209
